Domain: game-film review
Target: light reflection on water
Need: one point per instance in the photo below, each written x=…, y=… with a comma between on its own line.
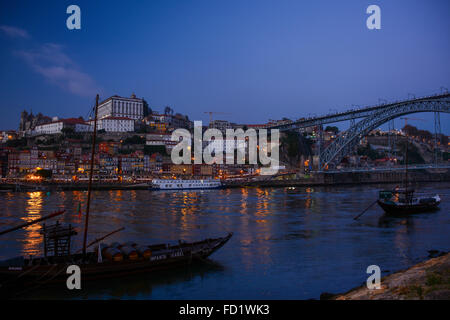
x=286, y=245
x=33, y=239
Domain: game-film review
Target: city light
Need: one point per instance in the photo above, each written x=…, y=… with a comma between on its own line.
x=32, y=177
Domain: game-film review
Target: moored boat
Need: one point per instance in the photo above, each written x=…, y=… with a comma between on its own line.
x=291, y=190
x=401, y=201
x=404, y=202
x=19, y=273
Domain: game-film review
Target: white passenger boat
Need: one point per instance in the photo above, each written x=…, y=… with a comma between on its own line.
x=176, y=184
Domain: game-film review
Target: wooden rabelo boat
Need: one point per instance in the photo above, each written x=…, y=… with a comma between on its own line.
x=403, y=201
x=113, y=260
x=106, y=261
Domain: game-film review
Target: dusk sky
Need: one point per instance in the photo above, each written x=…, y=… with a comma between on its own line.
x=254, y=60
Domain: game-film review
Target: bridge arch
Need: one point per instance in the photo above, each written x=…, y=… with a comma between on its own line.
x=348, y=139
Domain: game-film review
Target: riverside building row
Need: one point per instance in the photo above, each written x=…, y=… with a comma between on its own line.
x=73, y=164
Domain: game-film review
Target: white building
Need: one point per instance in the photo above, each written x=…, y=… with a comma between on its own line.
x=56, y=126
x=225, y=145
x=114, y=124
x=222, y=125
x=163, y=139
x=116, y=106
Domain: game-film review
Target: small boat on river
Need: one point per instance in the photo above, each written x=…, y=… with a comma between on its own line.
x=291, y=190
x=402, y=201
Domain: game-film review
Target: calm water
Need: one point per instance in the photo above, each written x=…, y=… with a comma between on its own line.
x=285, y=245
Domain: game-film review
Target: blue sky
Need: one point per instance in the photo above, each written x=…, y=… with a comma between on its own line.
x=254, y=60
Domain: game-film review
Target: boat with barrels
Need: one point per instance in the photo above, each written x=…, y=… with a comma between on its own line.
x=106, y=261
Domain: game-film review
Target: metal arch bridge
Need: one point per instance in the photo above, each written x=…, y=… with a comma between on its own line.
x=373, y=117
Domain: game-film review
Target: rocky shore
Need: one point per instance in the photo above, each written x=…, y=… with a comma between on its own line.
x=429, y=280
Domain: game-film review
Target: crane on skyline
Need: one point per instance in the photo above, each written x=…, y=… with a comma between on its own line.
x=407, y=118
x=213, y=112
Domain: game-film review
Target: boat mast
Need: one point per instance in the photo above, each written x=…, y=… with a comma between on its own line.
x=406, y=165
x=86, y=223
x=32, y=222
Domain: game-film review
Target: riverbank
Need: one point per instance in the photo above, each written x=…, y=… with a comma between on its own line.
x=429, y=280
x=316, y=179
x=19, y=187
x=350, y=178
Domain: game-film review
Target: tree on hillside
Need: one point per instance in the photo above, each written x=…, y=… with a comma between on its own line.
x=368, y=151
x=332, y=129
x=168, y=110
x=134, y=140
x=444, y=139
x=67, y=131
x=149, y=150
x=147, y=109
x=410, y=130
x=414, y=156
x=413, y=131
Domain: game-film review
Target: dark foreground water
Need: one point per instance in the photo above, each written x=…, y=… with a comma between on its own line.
x=285, y=245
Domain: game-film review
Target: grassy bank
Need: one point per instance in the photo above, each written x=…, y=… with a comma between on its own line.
x=429, y=280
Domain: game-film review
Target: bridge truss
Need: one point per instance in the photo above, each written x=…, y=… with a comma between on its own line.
x=372, y=118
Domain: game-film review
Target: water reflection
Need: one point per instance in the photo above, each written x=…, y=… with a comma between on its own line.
x=244, y=199
x=33, y=238
x=139, y=286
x=310, y=234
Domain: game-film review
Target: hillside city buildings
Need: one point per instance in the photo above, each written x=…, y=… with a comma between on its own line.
x=135, y=143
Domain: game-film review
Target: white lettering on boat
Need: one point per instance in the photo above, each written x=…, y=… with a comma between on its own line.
x=15, y=268
x=159, y=257
x=177, y=254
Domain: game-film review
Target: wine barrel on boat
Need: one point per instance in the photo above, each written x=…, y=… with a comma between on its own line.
x=103, y=246
x=112, y=254
x=144, y=252
x=115, y=245
x=129, y=252
x=129, y=244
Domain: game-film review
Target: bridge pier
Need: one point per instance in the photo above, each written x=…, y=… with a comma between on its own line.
x=437, y=133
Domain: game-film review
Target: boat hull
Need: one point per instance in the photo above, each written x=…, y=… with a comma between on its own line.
x=394, y=209
x=186, y=188
x=14, y=279
x=170, y=184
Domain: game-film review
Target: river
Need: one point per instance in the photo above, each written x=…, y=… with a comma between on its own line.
x=285, y=245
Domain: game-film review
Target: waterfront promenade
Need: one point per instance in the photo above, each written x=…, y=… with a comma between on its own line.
x=313, y=179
